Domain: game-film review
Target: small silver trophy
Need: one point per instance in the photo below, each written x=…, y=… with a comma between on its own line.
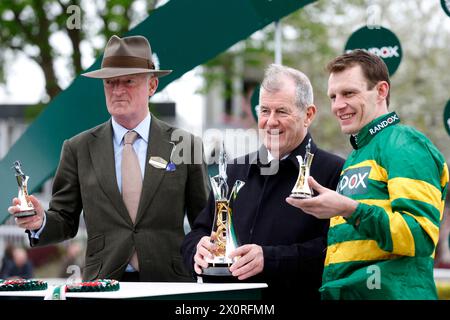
x=26, y=207
x=223, y=234
x=301, y=189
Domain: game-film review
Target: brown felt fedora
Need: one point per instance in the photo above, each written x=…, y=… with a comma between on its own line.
x=125, y=56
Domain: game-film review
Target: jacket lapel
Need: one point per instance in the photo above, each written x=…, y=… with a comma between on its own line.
x=102, y=154
x=159, y=146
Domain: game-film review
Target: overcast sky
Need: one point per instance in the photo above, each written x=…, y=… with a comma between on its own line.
x=26, y=85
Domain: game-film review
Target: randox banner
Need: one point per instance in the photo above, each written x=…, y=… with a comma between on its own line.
x=446, y=6
x=382, y=42
x=254, y=101
x=447, y=117
x=183, y=34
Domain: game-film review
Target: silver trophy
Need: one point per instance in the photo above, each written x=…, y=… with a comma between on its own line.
x=223, y=234
x=301, y=189
x=26, y=207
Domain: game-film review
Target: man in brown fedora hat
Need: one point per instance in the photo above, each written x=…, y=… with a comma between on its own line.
x=120, y=174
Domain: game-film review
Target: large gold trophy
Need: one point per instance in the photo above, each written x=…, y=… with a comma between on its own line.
x=26, y=207
x=223, y=234
x=301, y=189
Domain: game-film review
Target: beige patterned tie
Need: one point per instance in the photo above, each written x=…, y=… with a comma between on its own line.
x=131, y=182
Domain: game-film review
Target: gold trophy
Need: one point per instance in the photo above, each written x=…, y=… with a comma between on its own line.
x=223, y=234
x=26, y=207
x=301, y=189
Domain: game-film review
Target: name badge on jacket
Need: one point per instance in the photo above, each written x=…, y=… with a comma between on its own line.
x=158, y=162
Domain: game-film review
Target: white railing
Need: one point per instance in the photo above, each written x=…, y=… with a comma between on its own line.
x=442, y=275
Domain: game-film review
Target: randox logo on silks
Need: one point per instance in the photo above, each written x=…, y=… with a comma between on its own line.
x=354, y=181
x=383, y=124
x=381, y=42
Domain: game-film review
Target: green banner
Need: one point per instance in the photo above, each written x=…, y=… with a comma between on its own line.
x=447, y=117
x=183, y=34
x=254, y=101
x=380, y=41
x=446, y=6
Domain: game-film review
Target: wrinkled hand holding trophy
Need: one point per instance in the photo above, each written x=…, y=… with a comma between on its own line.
x=26, y=207
x=223, y=234
x=301, y=189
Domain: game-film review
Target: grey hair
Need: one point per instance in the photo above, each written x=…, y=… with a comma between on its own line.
x=272, y=82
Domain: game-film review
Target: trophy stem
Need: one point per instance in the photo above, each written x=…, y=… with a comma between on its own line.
x=26, y=207
x=223, y=235
x=301, y=189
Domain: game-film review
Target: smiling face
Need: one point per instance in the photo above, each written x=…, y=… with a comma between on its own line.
x=127, y=97
x=352, y=102
x=283, y=124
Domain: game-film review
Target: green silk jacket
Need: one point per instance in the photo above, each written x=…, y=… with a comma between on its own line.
x=385, y=250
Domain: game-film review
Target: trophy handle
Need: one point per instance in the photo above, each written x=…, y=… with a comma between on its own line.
x=309, y=159
x=237, y=186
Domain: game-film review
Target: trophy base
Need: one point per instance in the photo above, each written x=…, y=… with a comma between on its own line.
x=217, y=269
x=25, y=213
x=300, y=195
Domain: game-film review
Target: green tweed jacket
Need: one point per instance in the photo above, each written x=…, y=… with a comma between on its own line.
x=85, y=181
